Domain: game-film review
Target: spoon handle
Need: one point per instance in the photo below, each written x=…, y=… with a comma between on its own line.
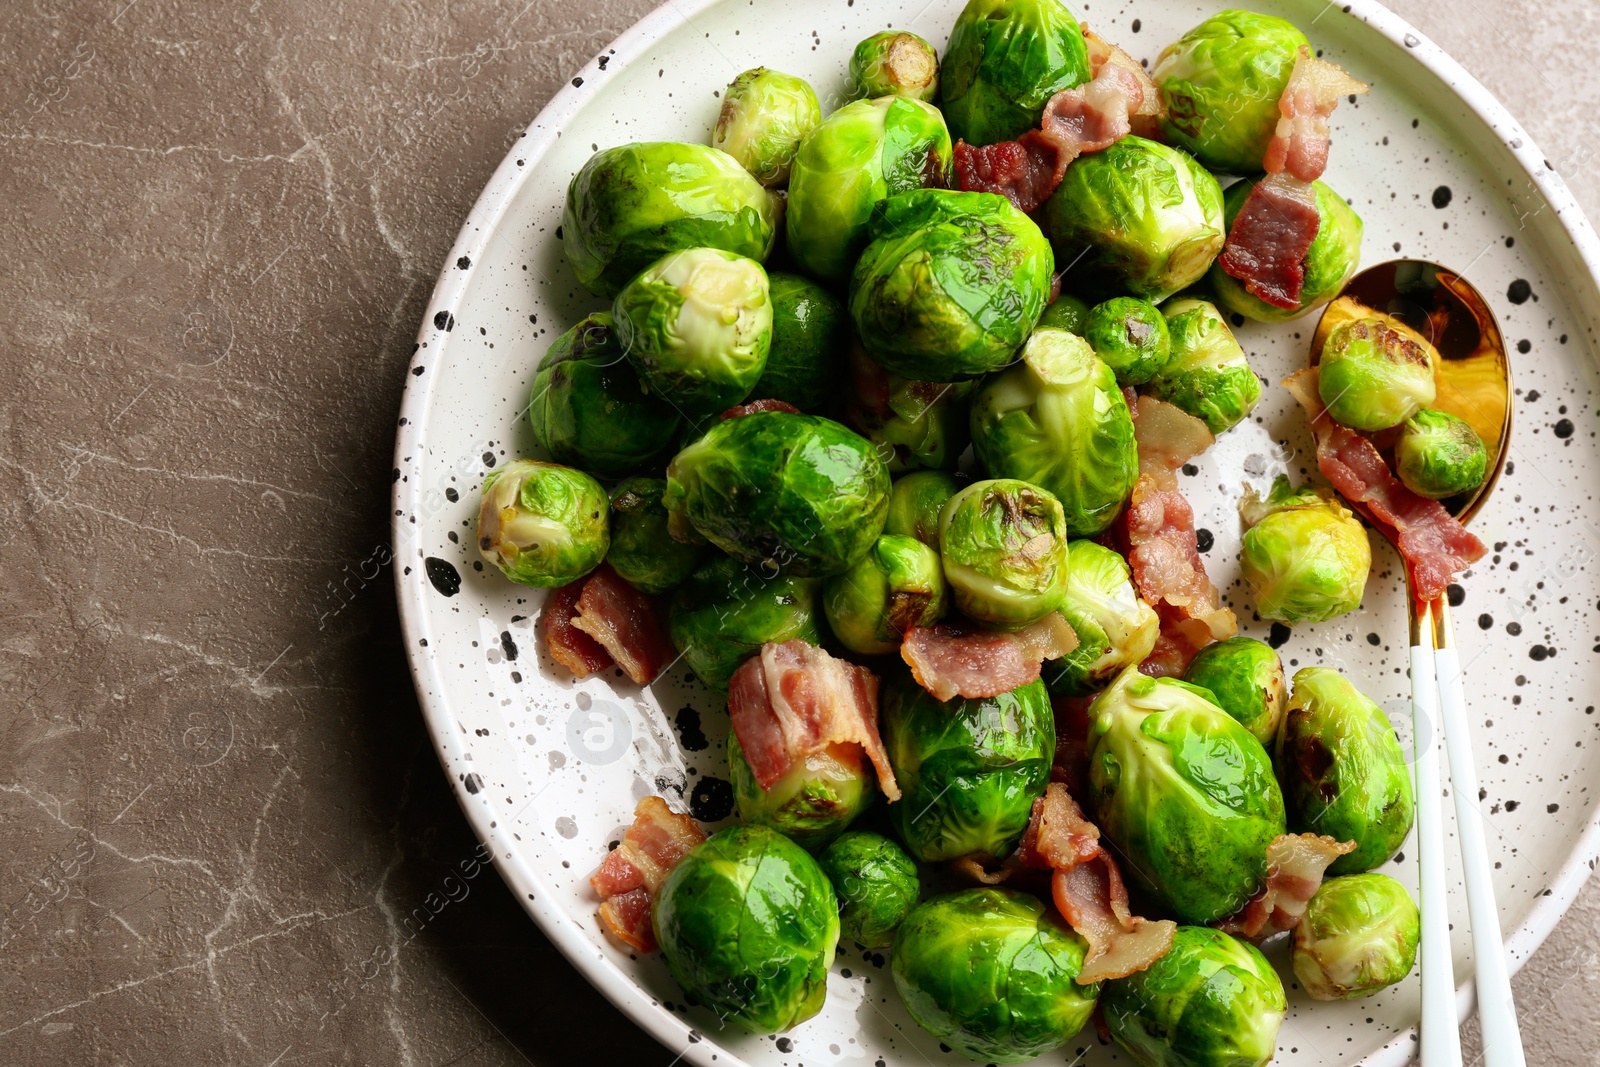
x=1502, y=1038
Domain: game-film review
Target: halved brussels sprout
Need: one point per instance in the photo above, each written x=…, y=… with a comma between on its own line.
x=1374, y=374
x=1359, y=935
x=635, y=203
x=1207, y=375
x=543, y=524
x=1058, y=420
x=765, y=113
x=992, y=973
x=1246, y=678
x=1330, y=261
x=812, y=804
x=810, y=331
x=1115, y=628
x=1004, y=547
x=876, y=883
x=969, y=770
x=642, y=550
x=1068, y=313
x=748, y=924
x=724, y=612
x=1343, y=772
x=915, y=502
x=951, y=284
x=898, y=584
x=1130, y=336
x=1305, y=555
x=894, y=63
x=914, y=424
x=1005, y=60
x=1439, y=455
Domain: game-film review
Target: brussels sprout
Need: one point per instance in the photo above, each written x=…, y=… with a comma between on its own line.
x=795, y=492
x=1305, y=555
x=1246, y=678
x=876, y=883
x=951, y=284
x=1130, y=336
x=1211, y=1001
x=1374, y=375
x=748, y=924
x=1439, y=455
x=915, y=503
x=1115, y=628
x=724, y=612
x=814, y=802
x=765, y=113
x=633, y=204
x=1221, y=82
x=1138, y=217
x=1330, y=261
x=1004, y=547
x=543, y=524
x=1207, y=375
x=914, y=424
x=1067, y=313
x=1005, y=60
x=1185, y=793
x=898, y=584
x=1058, y=420
x=1343, y=772
x=969, y=770
x=992, y=973
x=1359, y=935
x=894, y=63
x=642, y=551
x=860, y=154
x=810, y=330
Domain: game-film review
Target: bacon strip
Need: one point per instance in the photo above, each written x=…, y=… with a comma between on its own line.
x=950, y=660
x=1270, y=237
x=755, y=407
x=632, y=873
x=1299, y=145
x=1295, y=866
x=569, y=646
x=626, y=624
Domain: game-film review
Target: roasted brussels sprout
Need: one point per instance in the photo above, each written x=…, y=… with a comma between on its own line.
x=992, y=973
x=860, y=154
x=951, y=284
x=724, y=612
x=915, y=502
x=1115, y=628
x=1207, y=375
x=1211, y=1001
x=810, y=331
x=1305, y=555
x=633, y=204
x=1139, y=217
x=812, y=804
x=1004, y=547
x=1246, y=678
x=748, y=924
x=1359, y=935
x=898, y=584
x=876, y=883
x=1068, y=313
x=1005, y=60
x=792, y=492
x=1343, y=772
x=1058, y=420
x=1374, y=374
x=1221, y=82
x=969, y=770
x=1130, y=336
x=914, y=424
x=1439, y=455
x=1330, y=261
x=894, y=63
x=543, y=524
x=642, y=551
x=765, y=114
x=1185, y=793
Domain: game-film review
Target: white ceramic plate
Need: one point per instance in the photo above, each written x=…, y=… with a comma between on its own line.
x=548, y=770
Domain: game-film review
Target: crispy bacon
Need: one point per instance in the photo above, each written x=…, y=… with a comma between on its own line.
x=1270, y=237
x=632, y=873
x=1023, y=172
x=794, y=700
x=754, y=407
x=1300, y=143
x=1295, y=866
x=1435, y=546
x=625, y=623
x=1145, y=111
x=569, y=646
x=950, y=659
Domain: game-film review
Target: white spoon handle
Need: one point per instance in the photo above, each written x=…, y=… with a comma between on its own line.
x=1439, y=1032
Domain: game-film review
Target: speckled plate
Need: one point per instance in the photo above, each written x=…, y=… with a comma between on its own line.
x=549, y=769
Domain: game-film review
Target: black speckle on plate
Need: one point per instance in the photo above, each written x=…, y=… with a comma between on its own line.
x=443, y=574
x=1457, y=595
x=1485, y=621
x=1441, y=196
x=508, y=644
x=1204, y=539
x=1279, y=635
x=1374, y=640
x=1563, y=428
x=1519, y=292
x=488, y=459
x=451, y=495
x=690, y=735
x=1524, y=346
x=472, y=782
x=712, y=800
x=463, y=263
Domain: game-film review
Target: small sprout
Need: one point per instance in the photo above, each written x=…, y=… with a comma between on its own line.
x=876, y=883
x=642, y=549
x=1246, y=677
x=1130, y=336
x=1005, y=60
x=813, y=803
x=915, y=502
x=1207, y=375
x=724, y=612
x=810, y=331
x=1115, y=628
x=914, y=424
x=898, y=584
x=1375, y=373
x=1068, y=313
x=1305, y=555
x=1439, y=455
x=765, y=114
x=1004, y=546
x=1358, y=936
x=543, y=524
x=894, y=63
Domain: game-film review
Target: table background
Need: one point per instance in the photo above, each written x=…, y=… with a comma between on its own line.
x=219, y=812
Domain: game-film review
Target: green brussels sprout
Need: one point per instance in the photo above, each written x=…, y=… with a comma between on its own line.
x=1068, y=313
x=1439, y=455
x=812, y=804
x=810, y=330
x=1343, y=772
x=894, y=63
x=992, y=973
x=765, y=114
x=724, y=612
x=748, y=924
x=1130, y=336
x=633, y=204
x=1005, y=60
x=1004, y=547
x=1359, y=935
x=1221, y=83
x=876, y=883
x=1185, y=793
x=968, y=770
x=1305, y=555
x=951, y=284
x=1207, y=375
x=1374, y=375
x=697, y=325
x=898, y=584
x=1058, y=420
x=1330, y=261
x=1115, y=627
x=860, y=154
x=792, y=492
x=914, y=424
x=642, y=550
x=1245, y=676
x=543, y=524
x=915, y=502
x=1211, y=1001
x=1139, y=217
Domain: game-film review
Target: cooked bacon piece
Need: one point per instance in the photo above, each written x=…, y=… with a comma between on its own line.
x=1058, y=835
x=950, y=659
x=1023, y=171
x=757, y=406
x=1270, y=237
x=632, y=873
x=1435, y=546
x=1295, y=866
x=626, y=623
x=1073, y=743
x=1148, y=106
x=794, y=700
x=1300, y=143
x=1166, y=435
x=571, y=647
